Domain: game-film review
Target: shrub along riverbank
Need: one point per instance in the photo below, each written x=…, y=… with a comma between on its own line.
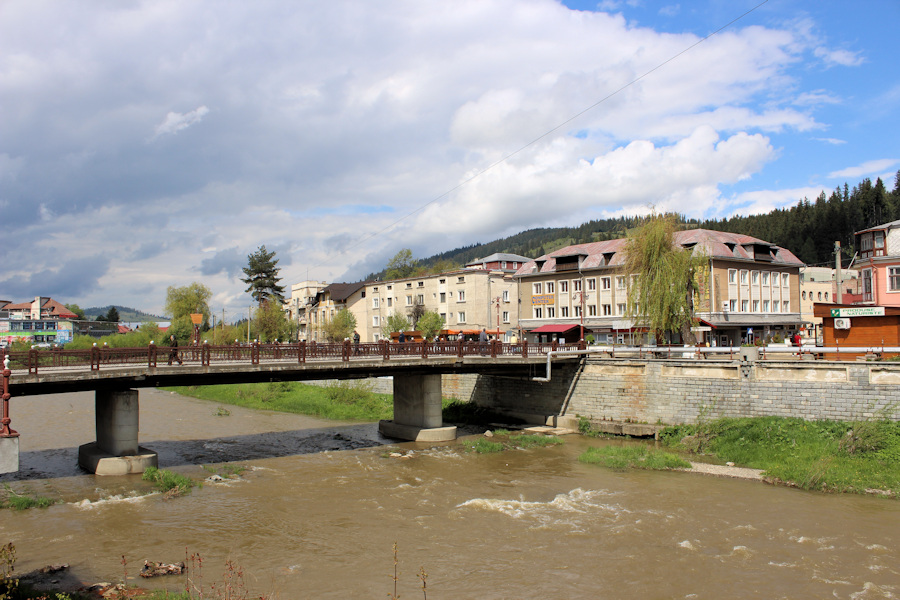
x=832, y=456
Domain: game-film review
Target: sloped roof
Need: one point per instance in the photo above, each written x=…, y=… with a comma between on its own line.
x=715, y=244
x=882, y=227
x=339, y=292
x=55, y=308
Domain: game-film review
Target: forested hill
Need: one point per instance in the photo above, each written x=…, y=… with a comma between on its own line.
x=126, y=314
x=808, y=229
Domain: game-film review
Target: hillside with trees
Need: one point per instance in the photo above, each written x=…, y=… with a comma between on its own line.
x=808, y=229
x=126, y=314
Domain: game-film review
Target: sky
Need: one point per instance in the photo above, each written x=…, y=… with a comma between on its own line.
x=153, y=143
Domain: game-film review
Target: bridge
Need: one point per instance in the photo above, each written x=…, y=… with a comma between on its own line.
x=114, y=374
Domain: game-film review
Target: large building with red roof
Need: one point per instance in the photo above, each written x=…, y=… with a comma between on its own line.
x=750, y=289
x=43, y=320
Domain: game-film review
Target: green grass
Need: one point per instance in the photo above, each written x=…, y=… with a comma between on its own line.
x=17, y=501
x=167, y=481
x=815, y=455
x=622, y=458
x=486, y=446
x=345, y=401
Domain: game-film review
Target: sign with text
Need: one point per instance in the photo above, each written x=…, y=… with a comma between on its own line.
x=863, y=311
x=542, y=299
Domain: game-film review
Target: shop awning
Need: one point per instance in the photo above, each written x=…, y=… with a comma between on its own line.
x=553, y=328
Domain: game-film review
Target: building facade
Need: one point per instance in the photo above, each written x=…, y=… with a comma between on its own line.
x=41, y=321
x=748, y=290
x=879, y=265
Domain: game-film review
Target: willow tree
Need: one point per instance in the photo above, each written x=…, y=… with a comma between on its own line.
x=663, y=282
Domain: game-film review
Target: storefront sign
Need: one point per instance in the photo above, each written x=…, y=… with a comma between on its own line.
x=865, y=311
x=542, y=300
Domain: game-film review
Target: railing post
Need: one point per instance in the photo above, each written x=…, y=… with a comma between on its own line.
x=205, y=353
x=95, y=357
x=494, y=348
x=524, y=348
x=254, y=353
x=424, y=349
x=151, y=355
x=301, y=352
x=345, y=351
x=5, y=430
x=554, y=345
x=32, y=362
x=459, y=348
x=385, y=350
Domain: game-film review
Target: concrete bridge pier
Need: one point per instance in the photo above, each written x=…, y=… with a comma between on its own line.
x=417, y=410
x=116, y=451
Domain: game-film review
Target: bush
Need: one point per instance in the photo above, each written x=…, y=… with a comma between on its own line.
x=171, y=483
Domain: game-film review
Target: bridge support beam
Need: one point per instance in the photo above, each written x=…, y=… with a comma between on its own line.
x=417, y=410
x=116, y=451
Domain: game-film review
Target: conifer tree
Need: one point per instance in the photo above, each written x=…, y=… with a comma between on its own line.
x=262, y=276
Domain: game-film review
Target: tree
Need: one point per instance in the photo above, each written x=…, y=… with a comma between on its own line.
x=76, y=309
x=661, y=295
x=394, y=323
x=181, y=302
x=270, y=323
x=402, y=265
x=112, y=315
x=430, y=324
x=262, y=276
x=340, y=326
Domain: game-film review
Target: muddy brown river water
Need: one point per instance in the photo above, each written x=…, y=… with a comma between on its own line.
x=320, y=505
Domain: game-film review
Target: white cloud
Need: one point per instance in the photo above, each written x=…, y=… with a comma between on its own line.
x=832, y=141
x=843, y=58
x=867, y=168
x=175, y=122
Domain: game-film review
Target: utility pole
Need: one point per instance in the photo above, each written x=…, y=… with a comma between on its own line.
x=838, y=296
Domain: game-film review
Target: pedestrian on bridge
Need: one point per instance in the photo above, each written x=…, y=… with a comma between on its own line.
x=356, y=342
x=173, y=350
x=482, y=340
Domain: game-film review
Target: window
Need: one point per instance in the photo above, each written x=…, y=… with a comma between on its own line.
x=503, y=264
x=607, y=310
x=376, y=337
x=879, y=239
x=867, y=284
x=444, y=317
x=785, y=280
x=620, y=283
x=538, y=288
x=563, y=311
x=461, y=297
x=754, y=277
x=765, y=278
x=732, y=275
x=592, y=310
x=865, y=242
x=620, y=309
x=442, y=281
x=776, y=306
x=766, y=306
x=732, y=305
x=577, y=311
x=505, y=316
x=461, y=317
x=563, y=287
x=420, y=300
x=550, y=287
x=605, y=283
x=443, y=296
x=460, y=280
x=409, y=285
x=576, y=285
x=375, y=320
x=538, y=313
x=421, y=284
x=375, y=302
x=745, y=306
x=592, y=284
x=894, y=279
x=786, y=306
x=820, y=296
x=390, y=302
x=506, y=295
x=756, y=306
x=803, y=295
x=744, y=276
x=409, y=300
x=551, y=313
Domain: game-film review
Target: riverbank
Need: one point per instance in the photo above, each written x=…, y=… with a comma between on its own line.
x=827, y=456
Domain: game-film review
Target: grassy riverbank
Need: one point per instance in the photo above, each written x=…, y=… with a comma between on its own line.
x=346, y=401
x=861, y=457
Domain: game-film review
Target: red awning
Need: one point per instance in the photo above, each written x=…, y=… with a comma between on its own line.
x=553, y=329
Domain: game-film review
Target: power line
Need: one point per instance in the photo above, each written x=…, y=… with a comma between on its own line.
x=577, y=115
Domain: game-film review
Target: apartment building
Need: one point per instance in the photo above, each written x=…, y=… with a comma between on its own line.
x=748, y=289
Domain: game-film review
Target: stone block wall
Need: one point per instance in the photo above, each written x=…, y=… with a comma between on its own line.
x=672, y=392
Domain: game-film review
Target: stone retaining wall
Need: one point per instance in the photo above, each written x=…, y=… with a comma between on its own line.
x=671, y=392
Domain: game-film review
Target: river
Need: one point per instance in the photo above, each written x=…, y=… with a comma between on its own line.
x=317, y=511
